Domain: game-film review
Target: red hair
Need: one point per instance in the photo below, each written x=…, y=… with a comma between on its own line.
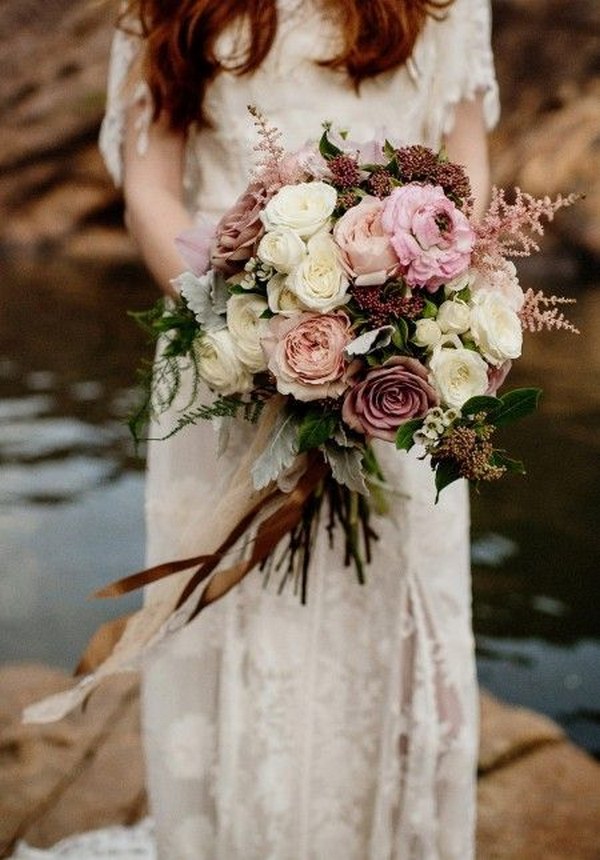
x=180, y=35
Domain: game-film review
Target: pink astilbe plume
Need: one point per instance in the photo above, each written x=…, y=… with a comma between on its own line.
x=542, y=312
x=509, y=229
x=270, y=151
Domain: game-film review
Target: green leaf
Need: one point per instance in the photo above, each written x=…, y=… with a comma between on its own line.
x=446, y=473
x=400, y=335
x=327, y=149
x=389, y=150
x=463, y=295
x=430, y=311
x=315, y=429
x=404, y=436
x=499, y=458
x=482, y=403
x=515, y=404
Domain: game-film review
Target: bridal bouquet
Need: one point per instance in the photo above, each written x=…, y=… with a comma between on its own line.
x=351, y=286
x=349, y=295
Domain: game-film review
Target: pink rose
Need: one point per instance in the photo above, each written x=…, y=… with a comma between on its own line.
x=389, y=396
x=496, y=377
x=305, y=354
x=194, y=245
x=431, y=237
x=367, y=254
x=239, y=231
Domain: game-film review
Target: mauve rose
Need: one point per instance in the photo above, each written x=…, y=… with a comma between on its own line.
x=367, y=254
x=496, y=377
x=389, y=396
x=239, y=231
x=305, y=354
x=431, y=237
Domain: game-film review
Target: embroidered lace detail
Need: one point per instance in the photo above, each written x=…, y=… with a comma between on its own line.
x=124, y=53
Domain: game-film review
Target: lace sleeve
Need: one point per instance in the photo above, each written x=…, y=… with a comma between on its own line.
x=465, y=62
x=122, y=94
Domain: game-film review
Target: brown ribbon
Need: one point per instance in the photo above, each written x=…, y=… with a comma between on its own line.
x=270, y=532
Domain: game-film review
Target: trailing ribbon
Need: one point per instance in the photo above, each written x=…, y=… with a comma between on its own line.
x=119, y=645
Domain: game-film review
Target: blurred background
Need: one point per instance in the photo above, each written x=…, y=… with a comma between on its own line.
x=70, y=484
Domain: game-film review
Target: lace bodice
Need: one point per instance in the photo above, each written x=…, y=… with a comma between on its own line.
x=346, y=728
x=452, y=61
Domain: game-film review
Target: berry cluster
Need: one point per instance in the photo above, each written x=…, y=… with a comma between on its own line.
x=385, y=305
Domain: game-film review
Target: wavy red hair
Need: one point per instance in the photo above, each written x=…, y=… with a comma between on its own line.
x=180, y=35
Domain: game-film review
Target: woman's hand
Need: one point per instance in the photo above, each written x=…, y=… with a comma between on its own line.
x=466, y=144
x=153, y=189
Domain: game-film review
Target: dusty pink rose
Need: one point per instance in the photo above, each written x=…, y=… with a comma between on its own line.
x=367, y=254
x=496, y=377
x=194, y=246
x=430, y=235
x=239, y=230
x=305, y=354
x=387, y=397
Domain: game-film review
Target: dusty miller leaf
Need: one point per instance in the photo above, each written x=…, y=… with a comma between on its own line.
x=377, y=338
x=346, y=467
x=279, y=454
x=198, y=295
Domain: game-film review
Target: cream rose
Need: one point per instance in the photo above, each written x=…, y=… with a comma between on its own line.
x=281, y=248
x=428, y=333
x=246, y=328
x=319, y=281
x=501, y=279
x=219, y=365
x=454, y=317
x=280, y=298
x=495, y=327
x=305, y=208
x=458, y=374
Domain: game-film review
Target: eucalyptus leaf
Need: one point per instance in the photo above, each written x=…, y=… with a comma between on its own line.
x=279, y=453
x=515, y=404
x=406, y=431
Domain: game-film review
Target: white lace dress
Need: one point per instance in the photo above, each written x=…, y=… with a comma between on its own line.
x=345, y=729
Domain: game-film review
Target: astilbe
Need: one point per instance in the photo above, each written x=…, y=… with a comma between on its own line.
x=270, y=152
x=543, y=312
x=509, y=229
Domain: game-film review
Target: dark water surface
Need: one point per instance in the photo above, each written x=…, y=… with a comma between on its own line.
x=71, y=489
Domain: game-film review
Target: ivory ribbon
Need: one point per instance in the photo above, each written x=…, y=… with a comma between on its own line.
x=119, y=645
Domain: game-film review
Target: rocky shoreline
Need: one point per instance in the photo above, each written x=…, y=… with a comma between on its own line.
x=539, y=795
x=57, y=196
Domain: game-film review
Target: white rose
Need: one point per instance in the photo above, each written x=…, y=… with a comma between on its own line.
x=305, y=208
x=501, y=279
x=281, y=248
x=219, y=365
x=460, y=282
x=246, y=328
x=319, y=281
x=458, y=374
x=427, y=334
x=495, y=327
x=454, y=317
x=280, y=298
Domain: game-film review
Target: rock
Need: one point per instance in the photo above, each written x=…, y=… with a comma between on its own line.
x=539, y=796
x=81, y=773
x=548, y=64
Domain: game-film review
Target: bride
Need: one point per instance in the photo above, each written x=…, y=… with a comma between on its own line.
x=345, y=729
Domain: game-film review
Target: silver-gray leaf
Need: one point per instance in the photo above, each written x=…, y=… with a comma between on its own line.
x=197, y=291
x=279, y=454
x=346, y=468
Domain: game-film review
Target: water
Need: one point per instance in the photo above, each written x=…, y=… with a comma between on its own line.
x=71, y=490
